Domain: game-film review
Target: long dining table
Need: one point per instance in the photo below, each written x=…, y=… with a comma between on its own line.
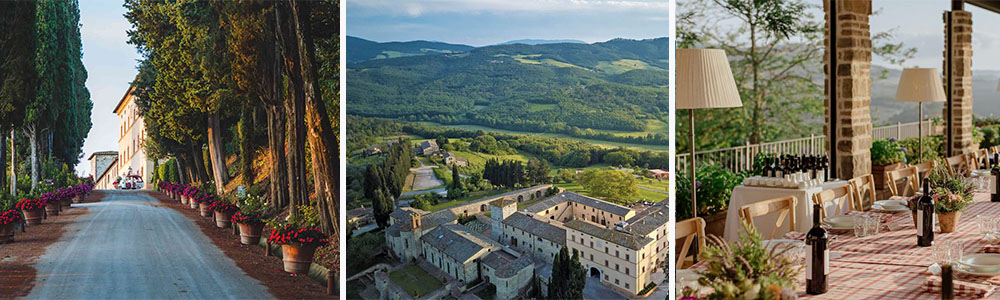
x=890, y=265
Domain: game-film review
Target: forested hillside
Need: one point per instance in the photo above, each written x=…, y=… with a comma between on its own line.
x=609, y=90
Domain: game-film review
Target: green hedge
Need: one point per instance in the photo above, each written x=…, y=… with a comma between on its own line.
x=167, y=172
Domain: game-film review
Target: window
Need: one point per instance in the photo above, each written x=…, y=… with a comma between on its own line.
x=591, y=257
x=616, y=281
x=627, y=258
x=617, y=253
x=626, y=285
x=627, y=271
x=605, y=262
x=616, y=268
x=591, y=244
x=605, y=250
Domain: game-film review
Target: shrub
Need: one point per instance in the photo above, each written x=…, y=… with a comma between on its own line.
x=715, y=186
x=885, y=152
x=932, y=149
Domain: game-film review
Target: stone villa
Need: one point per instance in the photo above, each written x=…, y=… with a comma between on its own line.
x=622, y=246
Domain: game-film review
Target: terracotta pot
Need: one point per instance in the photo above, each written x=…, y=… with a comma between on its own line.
x=7, y=233
x=223, y=220
x=33, y=217
x=184, y=200
x=878, y=173
x=52, y=210
x=250, y=233
x=949, y=221
x=66, y=203
x=78, y=199
x=194, y=205
x=297, y=259
x=205, y=212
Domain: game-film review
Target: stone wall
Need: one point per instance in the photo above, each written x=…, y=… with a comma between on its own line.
x=961, y=81
x=482, y=206
x=853, y=126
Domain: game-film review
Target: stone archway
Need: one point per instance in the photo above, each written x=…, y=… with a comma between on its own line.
x=482, y=207
x=595, y=272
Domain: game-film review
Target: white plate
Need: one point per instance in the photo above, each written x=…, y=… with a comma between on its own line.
x=981, y=262
x=965, y=269
x=840, y=221
x=895, y=209
x=894, y=205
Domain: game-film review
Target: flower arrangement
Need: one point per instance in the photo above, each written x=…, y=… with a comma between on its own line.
x=223, y=207
x=11, y=216
x=290, y=234
x=51, y=198
x=298, y=230
x=950, y=193
x=747, y=269
x=887, y=152
x=203, y=198
x=191, y=192
x=30, y=204
x=248, y=218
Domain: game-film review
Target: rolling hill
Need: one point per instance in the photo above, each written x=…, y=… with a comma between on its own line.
x=359, y=49
x=604, y=90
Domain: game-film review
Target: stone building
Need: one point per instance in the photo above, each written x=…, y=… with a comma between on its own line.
x=407, y=225
x=451, y=159
x=132, y=130
x=457, y=250
x=103, y=162
x=427, y=148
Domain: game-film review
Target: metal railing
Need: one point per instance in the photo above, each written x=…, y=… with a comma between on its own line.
x=740, y=158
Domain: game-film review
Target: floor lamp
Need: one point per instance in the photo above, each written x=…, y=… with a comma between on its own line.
x=920, y=85
x=704, y=80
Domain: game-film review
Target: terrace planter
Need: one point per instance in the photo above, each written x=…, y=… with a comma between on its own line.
x=949, y=221
x=66, y=203
x=223, y=220
x=194, y=205
x=52, y=210
x=7, y=233
x=184, y=200
x=205, y=211
x=297, y=259
x=33, y=217
x=250, y=233
x=878, y=172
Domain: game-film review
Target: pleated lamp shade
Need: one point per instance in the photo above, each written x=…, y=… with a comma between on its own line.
x=705, y=80
x=920, y=85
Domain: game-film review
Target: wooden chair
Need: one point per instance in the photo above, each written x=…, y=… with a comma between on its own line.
x=864, y=188
x=925, y=168
x=689, y=230
x=784, y=206
x=958, y=165
x=903, y=182
x=835, y=195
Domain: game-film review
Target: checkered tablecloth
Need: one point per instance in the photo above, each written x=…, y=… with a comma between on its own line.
x=891, y=266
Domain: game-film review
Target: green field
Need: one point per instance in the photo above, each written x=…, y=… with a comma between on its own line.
x=415, y=280
x=621, y=66
x=644, y=195
x=600, y=143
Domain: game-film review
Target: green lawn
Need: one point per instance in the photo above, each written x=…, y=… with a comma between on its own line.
x=415, y=281
x=605, y=144
x=471, y=196
x=644, y=195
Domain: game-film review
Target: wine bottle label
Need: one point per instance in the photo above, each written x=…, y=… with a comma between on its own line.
x=920, y=223
x=809, y=264
x=826, y=261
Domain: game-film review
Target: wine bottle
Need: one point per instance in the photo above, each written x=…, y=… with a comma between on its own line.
x=818, y=256
x=767, y=167
x=995, y=172
x=925, y=218
x=947, y=282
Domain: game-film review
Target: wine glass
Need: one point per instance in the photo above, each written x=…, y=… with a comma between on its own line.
x=985, y=225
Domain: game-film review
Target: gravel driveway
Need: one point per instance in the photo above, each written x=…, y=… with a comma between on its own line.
x=129, y=247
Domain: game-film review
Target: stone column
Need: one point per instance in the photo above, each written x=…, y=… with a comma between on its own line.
x=958, y=86
x=850, y=129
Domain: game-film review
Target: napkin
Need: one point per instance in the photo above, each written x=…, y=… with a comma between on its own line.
x=991, y=249
x=962, y=288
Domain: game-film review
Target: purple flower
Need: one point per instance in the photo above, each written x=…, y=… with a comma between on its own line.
x=902, y=149
x=892, y=140
x=697, y=184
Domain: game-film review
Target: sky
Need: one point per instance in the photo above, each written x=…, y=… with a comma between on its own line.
x=110, y=64
x=919, y=23
x=487, y=22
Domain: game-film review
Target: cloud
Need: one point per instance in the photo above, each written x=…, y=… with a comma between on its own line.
x=418, y=8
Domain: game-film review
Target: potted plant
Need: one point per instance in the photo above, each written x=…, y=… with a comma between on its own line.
x=188, y=195
x=52, y=203
x=204, y=202
x=250, y=218
x=951, y=196
x=32, y=209
x=747, y=269
x=299, y=238
x=223, y=213
x=10, y=218
x=887, y=155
